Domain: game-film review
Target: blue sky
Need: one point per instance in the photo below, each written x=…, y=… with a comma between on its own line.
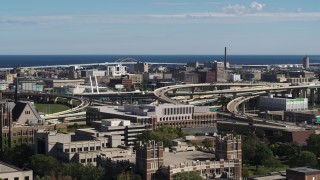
x=159, y=27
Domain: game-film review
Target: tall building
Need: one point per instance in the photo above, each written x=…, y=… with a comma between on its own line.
x=228, y=147
x=219, y=68
x=149, y=158
x=306, y=62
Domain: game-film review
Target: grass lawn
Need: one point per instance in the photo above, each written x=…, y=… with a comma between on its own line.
x=51, y=108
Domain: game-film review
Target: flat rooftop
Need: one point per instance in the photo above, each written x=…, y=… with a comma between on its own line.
x=305, y=170
x=274, y=177
x=117, y=110
x=186, y=157
x=6, y=168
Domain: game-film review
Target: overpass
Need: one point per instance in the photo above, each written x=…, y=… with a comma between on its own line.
x=163, y=93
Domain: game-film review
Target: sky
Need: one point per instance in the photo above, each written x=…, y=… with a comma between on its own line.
x=198, y=27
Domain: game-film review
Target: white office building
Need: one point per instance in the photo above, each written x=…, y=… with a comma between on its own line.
x=234, y=77
x=116, y=71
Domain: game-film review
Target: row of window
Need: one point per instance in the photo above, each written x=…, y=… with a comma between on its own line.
x=203, y=117
x=175, y=118
x=185, y=123
x=24, y=133
x=85, y=149
x=180, y=110
x=89, y=160
x=17, y=178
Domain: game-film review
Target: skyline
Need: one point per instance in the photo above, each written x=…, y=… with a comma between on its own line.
x=159, y=27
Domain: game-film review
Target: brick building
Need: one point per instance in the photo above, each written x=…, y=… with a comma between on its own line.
x=303, y=173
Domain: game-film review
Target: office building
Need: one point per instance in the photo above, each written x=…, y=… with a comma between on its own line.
x=306, y=63
x=273, y=103
x=177, y=115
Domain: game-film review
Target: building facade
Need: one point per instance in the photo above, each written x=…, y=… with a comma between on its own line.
x=177, y=115
x=272, y=103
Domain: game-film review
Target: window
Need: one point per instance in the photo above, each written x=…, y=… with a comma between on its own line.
x=83, y=160
x=79, y=149
x=89, y=160
x=16, y=178
x=94, y=159
x=26, y=178
x=91, y=148
x=73, y=149
x=98, y=147
x=66, y=150
x=85, y=148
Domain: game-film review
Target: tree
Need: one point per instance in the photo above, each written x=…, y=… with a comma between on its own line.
x=83, y=172
x=207, y=143
x=128, y=176
x=254, y=151
x=187, y=176
x=18, y=155
x=164, y=134
x=305, y=158
x=289, y=150
x=43, y=165
x=313, y=144
x=271, y=162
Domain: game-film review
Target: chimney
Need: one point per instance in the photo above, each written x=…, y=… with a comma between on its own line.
x=225, y=57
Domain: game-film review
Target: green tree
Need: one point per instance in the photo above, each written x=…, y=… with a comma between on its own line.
x=207, y=143
x=254, y=151
x=187, y=176
x=271, y=162
x=128, y=176
x=305, y=158
x=43, y=165
x=83, y=172
x=289, y=150
x=313, y=144
x=164, y=133
x=18, y=155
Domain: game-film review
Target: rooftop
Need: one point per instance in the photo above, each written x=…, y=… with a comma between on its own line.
x=305, y=170
x=116, y=110
x=7, y=168
x=186, y=157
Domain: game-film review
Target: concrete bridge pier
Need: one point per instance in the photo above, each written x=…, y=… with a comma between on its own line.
x=192, y=92
x=312, y=97
x=174, y=91
x=55, y=100
x=243, y=107
x=304, y=92
x=234, y=95
x=318, y=95
x=295, y=93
